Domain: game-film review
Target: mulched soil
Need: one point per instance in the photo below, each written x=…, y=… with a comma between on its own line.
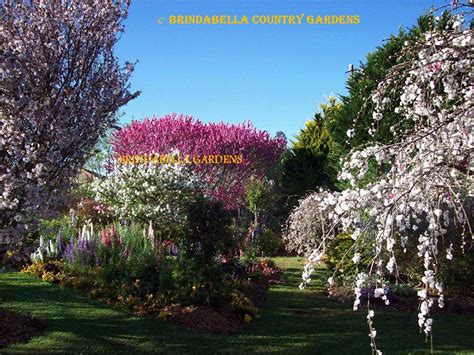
x=204, y=319
x=16, y=328
x=459, y=305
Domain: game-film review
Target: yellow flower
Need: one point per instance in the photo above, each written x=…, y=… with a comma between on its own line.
x=48, y=277
x=162, y=314
x=247, y=318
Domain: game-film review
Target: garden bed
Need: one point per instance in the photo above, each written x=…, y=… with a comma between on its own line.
x=228, y=316
x=404, y=303
x=222, y=320
x=204, y=319
x=16, y=328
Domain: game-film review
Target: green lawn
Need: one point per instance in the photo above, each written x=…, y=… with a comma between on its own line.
x=292, y=321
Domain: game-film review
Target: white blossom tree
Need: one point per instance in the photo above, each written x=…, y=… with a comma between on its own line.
x=144, y=192
x=59, y=90
x=157, y=195
x=429, y=187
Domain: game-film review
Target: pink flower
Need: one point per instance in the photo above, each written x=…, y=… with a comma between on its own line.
x=110, y=235
x=106, y=238
x=114, y=236
x=436, y=67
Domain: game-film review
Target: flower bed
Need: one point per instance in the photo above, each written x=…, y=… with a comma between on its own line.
x=154, y=282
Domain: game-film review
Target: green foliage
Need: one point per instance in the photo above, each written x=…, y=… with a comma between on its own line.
x=198, y=283
x=125, y=261
x=268, y=242
x=259, y=195
x=82, y=188
x=139, y=274
x=197, y=275
x=262, y=201
x=302, y=172
x=208, y=230
x=338, y=256
x=403, y=290
x=312, y=161
x=242, y=304
x=50, y=228
x=457, y=274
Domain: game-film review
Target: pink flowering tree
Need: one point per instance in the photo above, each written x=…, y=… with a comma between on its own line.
x=428, y=190
x=60, y=88
x=225, y=182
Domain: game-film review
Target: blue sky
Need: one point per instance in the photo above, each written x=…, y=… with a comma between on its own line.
x=274, y=76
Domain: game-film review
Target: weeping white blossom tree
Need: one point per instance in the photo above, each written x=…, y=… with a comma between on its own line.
x=428, y=188
x=60, y=86
x=308, y=224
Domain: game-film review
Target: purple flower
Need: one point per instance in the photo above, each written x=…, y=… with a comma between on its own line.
x=87, y=250
x=83, y=251
x=70, y=252
x=174, y=250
